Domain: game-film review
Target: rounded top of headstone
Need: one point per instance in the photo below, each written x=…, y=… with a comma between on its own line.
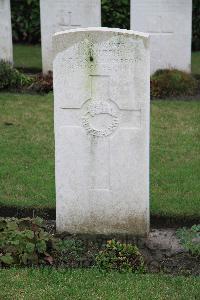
x=64, y=39
x=103, y=29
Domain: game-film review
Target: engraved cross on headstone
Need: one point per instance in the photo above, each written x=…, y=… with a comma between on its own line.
x=66, y=20
x=101, y=117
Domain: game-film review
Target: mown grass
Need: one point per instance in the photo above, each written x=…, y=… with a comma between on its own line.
x=27, y=154
x=91, y=284
x=196, y=62
x=27, y=150
x=175, y=158
x=27, y=57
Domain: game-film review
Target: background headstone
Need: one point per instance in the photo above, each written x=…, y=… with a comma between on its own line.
x=169, y=23
x=6, y=48
x=102, y=95
x=60, y=15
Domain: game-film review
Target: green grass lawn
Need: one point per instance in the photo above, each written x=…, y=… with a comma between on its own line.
x=196, y=62
x=27, y=154
x=29, y=57
x=175, y=158
x=27, y=150
x=51, y=284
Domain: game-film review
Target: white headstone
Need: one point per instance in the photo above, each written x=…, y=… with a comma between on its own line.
x=102, y=95
x=169, y=23
x=6, y=48
x=60, y=15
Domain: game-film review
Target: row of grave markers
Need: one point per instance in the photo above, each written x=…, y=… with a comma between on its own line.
x=169, y=23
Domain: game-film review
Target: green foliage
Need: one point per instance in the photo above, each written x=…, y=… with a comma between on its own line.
x=11, y=78
x=121, y=257
x=190, y=239
x=70, y=252
x=172, y=83
x=196, y=25
x=116, y=14
x=24, y=242
x=72, y=246
x=26, y=20
x=42, y=83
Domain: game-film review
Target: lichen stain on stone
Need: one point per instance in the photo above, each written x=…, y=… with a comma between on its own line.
x=89, y=58
x=94, y=225
x=145, y=42
x=89, y=53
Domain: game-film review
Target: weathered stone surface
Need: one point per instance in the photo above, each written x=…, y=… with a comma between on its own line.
x=6, y=48
x=59, y=15
x=102, y=95
x=169, y=23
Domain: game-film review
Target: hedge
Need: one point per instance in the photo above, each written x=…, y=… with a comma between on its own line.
x=26, y=19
